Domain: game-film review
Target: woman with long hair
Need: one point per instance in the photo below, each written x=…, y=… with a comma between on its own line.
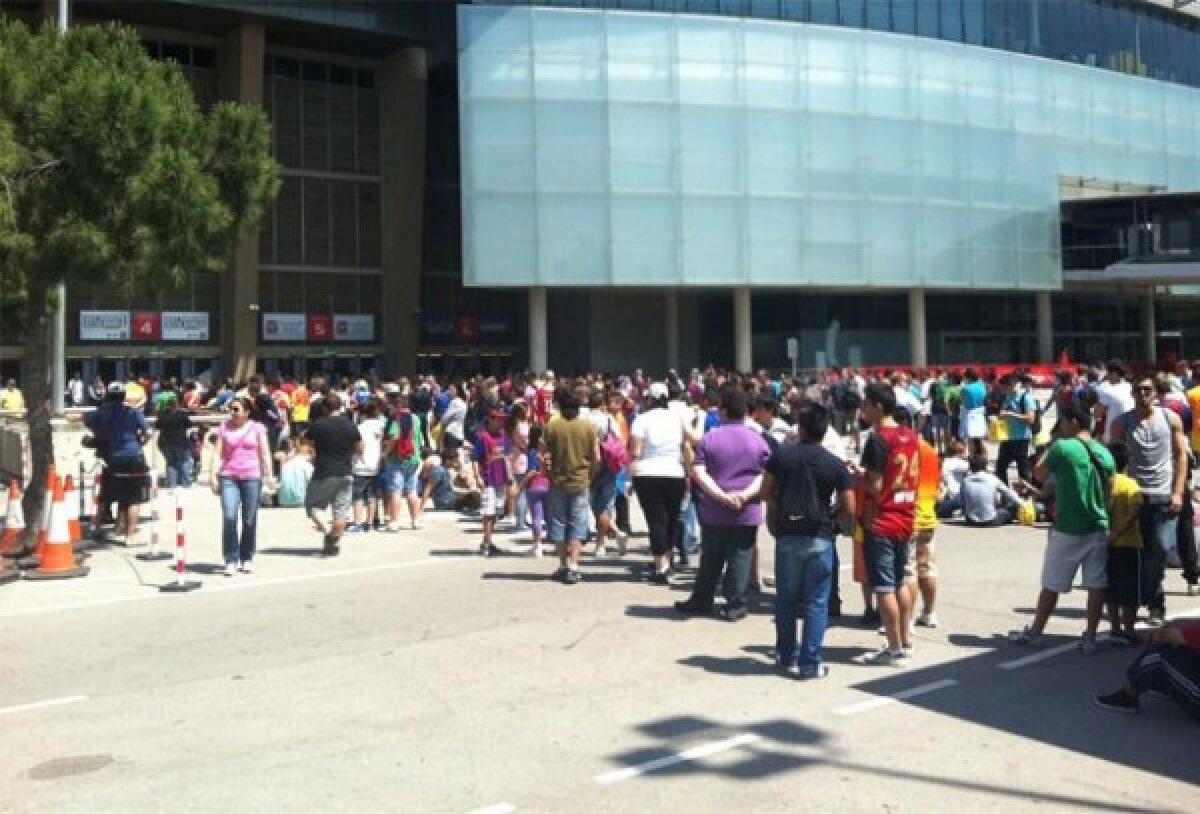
x=242, y=463
x=516, y=438
x=656, y=448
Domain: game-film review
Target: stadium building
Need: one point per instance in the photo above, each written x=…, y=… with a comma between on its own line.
x=647, y=183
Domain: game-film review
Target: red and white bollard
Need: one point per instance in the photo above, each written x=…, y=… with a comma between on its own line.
x=154, y=554
x=180, y=585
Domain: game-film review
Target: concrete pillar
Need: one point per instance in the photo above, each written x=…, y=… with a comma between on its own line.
x=743, y=330
x=241, y=80
x=672, y=329
x=402, y=90
x=1045, y=327
x=917, y=354
x=1149, y=329
x=539, y=344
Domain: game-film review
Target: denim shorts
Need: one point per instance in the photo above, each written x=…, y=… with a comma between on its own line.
x=568, y=515
x=887, y=562
x=602, y=494
x=402, y=478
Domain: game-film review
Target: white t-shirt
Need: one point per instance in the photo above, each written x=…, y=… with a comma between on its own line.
x=371, y=431
x=1117, y=400
x=454, y=419
x=661, y=435
x=835, y=444
x=954, y=469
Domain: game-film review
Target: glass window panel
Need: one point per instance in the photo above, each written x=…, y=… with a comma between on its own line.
x=928, y=19
x=943, y=257
x=853, y=12
x=774, y=153
x=498, y=145
x=951, y=20
x=904, y=16
x=502, y=231
x=832, y=154
x=640, y=59
x=973, y=21
x=573, y=238
x=642, y=141
x=772, y=85
x=834, y=221
x=567, y=32
x=824, y=11
x=498, y=74
x=644, y=243
x=888, y=232
x=494, y=29
x=775, y=232
x=887, y=87
x=572, y=147
x=769, y=44
x=879, y=15
x=712, y=240
x=888, y=151
x=710, y=149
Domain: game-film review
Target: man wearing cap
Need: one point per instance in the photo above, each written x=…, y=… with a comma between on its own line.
x=120, y=431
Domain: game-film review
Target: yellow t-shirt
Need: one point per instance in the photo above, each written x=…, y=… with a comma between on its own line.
x=1125, y=501
x=1193, y=397
x=12, y=400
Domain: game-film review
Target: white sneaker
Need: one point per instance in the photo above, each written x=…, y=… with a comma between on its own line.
x=601, y=552
x=928, y=619
x=247, y=568
x=230, y=569
x=536, y=552
x=416, y=525
x=883, y=658
x=1194, y=590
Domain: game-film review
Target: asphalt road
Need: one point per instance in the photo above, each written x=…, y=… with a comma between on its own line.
x=411, y=675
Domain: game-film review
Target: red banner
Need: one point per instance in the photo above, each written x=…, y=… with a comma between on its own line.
x=320, y=327
x=147, y=326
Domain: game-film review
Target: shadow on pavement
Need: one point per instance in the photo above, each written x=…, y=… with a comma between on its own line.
x=294, y=552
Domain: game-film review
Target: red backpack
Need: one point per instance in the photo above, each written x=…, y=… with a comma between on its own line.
x=404, y=448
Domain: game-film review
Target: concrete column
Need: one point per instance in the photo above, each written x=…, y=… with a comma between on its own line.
x=672, y=329
x=1149, y=329
x=743, y=330
x=917, y=354
x=1045, y=327
x=241, y=80
x=539, y=344
x=402, y=90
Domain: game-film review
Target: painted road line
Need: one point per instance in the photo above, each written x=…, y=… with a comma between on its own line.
x=1040, y=655
x=498, y=808
x=53, y=702
x=875, y=703
x=248, y=583
x=695, y=753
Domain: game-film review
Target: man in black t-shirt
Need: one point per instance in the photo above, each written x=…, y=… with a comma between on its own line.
x=800, y=482
x=336, y=441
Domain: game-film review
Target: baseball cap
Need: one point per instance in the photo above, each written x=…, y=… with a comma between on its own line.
x=360, y=385
x=657, y=390
x=392, y=389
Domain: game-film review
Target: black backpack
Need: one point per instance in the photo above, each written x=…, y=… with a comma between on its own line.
x=801, y=510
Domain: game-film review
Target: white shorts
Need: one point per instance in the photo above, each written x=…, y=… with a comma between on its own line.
x=1066, y=553
x=492, y=501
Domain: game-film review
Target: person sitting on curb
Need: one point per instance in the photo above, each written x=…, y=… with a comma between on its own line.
x=1170, y=665
x=986, y=500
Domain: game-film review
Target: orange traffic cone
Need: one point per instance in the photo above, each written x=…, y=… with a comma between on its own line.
x=58, y=557
x=43, y=526
x=14, y=524
x=72, y=501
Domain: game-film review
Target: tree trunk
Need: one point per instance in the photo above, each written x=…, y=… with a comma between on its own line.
x=37, y=400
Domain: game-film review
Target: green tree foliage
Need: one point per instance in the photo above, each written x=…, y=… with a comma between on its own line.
x=111, y=174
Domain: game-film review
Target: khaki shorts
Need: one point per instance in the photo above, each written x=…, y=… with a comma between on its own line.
x=1066, y=554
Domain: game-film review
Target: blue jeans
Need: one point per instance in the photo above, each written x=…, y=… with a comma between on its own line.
x=1159, y=531
x=803, y=577
x=244, y=494
x=179, y=463
x=568, y=515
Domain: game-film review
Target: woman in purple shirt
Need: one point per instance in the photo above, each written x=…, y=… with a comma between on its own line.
x=242, y=461
x=728, y=468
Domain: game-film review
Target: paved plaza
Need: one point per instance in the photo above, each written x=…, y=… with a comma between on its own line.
x=411, y=675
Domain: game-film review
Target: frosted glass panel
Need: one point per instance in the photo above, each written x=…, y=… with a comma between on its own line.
x=604, y=146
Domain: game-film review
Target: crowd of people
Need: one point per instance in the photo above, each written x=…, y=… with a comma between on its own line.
x=711, y=458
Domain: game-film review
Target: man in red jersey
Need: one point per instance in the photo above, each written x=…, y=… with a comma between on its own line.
x=889, y=470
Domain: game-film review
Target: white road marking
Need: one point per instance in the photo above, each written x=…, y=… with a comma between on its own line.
x=244, y=583
x=1040, y=655
x=498, y=808
x=696, y=752
x=53, y=702
x=875, y=703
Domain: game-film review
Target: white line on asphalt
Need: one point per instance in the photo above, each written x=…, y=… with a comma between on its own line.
x=498, y=808
x=1041, y=655
x=696, y=752
x=246, y=583
x=875, y=703
x=53, y=702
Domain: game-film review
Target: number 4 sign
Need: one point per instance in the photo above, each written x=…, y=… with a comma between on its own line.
x=147, y=326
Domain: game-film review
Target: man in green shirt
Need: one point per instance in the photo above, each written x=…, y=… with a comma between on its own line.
x=1081, y=468
x=574, y=451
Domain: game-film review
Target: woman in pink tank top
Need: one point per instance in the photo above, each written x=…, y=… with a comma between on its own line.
x=242, y=461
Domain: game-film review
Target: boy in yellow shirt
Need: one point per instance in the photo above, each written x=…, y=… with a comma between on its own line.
x=1124, y=549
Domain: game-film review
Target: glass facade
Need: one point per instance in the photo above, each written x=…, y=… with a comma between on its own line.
x=1120, y=35
x=607, y=147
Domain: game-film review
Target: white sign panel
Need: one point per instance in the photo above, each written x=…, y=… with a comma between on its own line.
x=104, y=325
x=353, y=328
x=189, y=326
x=283, y=327
x=793, y=349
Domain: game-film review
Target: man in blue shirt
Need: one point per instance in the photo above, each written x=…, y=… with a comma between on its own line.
x=120, y=431
x=1018, y=412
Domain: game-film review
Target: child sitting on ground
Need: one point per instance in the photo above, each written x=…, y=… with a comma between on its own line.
x=295, y=471
x=1124, y=548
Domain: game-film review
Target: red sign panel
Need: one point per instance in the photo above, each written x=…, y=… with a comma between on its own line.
x=147, y=326
x=466, y=329
x=320, y=327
